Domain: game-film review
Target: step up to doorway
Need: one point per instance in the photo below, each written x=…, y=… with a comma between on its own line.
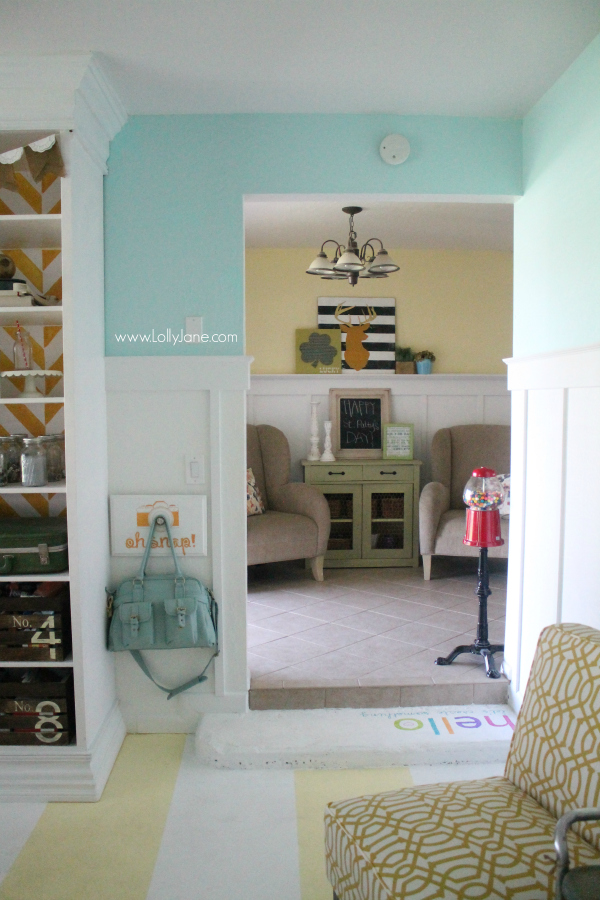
x=363, y=697
x=356, y=738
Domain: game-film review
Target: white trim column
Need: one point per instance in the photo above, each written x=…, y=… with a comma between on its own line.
x=554, y=564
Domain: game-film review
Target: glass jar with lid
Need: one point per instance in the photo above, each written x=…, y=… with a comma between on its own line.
x=483, y=491
x=34, y=471
x=54, y=457
x=12, y=446
x=3, y=475
x=61, y=443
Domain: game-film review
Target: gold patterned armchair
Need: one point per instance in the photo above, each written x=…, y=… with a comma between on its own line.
x=492, y=838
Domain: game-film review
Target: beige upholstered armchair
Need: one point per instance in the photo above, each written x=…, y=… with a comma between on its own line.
x=455, y=452
x=297, y=521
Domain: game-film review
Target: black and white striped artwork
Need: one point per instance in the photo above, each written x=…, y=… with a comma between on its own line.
x=380, y=335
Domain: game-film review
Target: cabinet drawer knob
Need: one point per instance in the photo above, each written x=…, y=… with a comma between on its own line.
x=336, y=473
x=386, y=473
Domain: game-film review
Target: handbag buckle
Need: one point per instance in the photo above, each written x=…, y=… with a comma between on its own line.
x=134, y=623
x=181, y=614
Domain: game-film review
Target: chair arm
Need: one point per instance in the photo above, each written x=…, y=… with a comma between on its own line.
x=560, y=841
x=564, y=823
x=434, y=502
x=304, y=500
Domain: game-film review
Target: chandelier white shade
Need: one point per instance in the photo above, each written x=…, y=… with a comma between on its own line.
x=350, y=262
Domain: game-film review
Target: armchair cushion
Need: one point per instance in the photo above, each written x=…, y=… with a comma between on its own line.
x=277, y=536
x=479, y=839
x=451, y=531
x=254, y=500
x=255, y=460
x=305, y=500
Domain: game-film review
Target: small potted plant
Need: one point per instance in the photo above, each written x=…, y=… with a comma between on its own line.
x=424, y=360
x=405, y=364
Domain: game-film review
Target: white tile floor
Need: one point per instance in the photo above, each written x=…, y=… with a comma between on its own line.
x=372, y=627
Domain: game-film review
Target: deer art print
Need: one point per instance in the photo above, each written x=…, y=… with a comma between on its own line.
x=356, y=355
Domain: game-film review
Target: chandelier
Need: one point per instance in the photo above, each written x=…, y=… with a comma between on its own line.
x=350, y=262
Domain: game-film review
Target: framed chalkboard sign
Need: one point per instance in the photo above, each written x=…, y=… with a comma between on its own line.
x=358, y=418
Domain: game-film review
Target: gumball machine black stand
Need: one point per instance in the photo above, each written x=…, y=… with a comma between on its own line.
x=483, y=495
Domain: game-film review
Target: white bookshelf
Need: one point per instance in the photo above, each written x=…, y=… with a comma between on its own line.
x=29, y=315
x=77, y=771
x=7, y=401
x=30, y=231
x=64, y=664
x=53, y=487
x=55, y=576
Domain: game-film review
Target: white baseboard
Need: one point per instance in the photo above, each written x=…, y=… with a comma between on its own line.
x=183, y=718
x=515, y=699
x=44, y=774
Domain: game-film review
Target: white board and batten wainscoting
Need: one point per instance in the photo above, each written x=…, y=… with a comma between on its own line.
x=162, y=411
x=554, y=569
x=428, y=402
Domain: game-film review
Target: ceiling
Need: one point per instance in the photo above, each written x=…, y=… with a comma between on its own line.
x=410, y=225
x=440, y=57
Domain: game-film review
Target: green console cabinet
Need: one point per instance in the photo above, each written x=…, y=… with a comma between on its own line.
x=374, y=507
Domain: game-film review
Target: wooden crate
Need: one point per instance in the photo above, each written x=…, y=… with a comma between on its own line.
x=36, y=707
x=35, y=629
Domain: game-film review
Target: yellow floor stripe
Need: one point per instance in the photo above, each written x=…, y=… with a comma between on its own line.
x=105, y=850
x=314, y=790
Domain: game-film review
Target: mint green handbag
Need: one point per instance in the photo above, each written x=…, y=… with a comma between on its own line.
x=162, y=612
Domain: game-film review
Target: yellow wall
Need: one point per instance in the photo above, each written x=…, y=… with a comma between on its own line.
x=457, y=303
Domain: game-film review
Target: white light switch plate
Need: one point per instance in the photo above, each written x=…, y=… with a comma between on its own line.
x=194, y=468
x=193, y=325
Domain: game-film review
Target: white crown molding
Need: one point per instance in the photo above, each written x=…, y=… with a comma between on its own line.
x=45, y=774
x=61, y=93
x=570, y=368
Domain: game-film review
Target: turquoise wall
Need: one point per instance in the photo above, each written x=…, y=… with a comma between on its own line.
x=174, y=192
x=557, y=222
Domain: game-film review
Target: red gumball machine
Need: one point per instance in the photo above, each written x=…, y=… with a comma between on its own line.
x=483, y=495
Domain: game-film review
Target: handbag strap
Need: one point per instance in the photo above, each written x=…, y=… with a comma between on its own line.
x=198, y=679
x=172, y=692
x=159, y=520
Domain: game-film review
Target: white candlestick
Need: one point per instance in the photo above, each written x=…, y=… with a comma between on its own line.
x=314, y=453
x=327, y=455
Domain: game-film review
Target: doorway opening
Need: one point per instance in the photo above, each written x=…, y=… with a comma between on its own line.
x=373, y=627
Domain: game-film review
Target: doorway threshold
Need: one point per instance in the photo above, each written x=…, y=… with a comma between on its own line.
x=370, y=638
